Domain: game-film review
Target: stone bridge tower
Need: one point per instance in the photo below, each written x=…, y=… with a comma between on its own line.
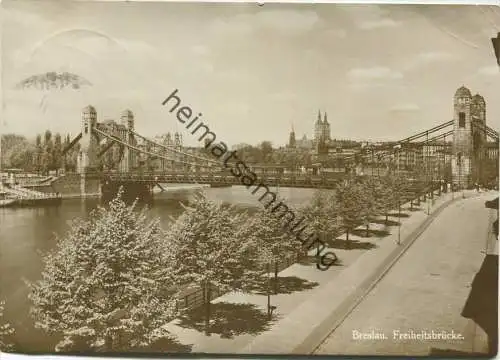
x=468, y=140
x=87, y=157
x=128, y=161
x=479, y=140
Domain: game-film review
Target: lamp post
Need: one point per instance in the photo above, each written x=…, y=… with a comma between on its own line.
x=399, y=218
x=459, y=164
x=268, y=291
x=426, y=157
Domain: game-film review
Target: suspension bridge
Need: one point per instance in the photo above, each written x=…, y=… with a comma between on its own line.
x=462, y=151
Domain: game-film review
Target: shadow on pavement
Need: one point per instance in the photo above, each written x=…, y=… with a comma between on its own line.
x=397, y=215
x=228, y=320
x=286, y=285
x=371, y=233
x=313, y=260
x=350, y=244
x=383, y=222
x=482, y=304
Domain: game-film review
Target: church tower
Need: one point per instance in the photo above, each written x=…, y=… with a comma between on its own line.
x=326, y=130
x=462, y=137
x=318, y=129
x=291, y=142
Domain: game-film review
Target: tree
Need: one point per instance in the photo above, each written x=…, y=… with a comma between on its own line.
x=107, y=284
x=322, y=215
x=397, y=185
x=5, y=331
x=350, y=197
x=38, y=153
x=377, y=199
x=57, y=152
x=273, y=241
x=11, y=145
x=385, y=197
x=47, y=153
x=210, y=248
x=266, y=149
x=22, y=156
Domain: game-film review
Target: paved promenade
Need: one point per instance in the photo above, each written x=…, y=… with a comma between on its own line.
x=427, y=291
x=240, y=323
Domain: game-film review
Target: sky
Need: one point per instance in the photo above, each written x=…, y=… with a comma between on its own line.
x=381, y=72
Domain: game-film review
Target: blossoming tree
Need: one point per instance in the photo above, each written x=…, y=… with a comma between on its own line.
x=211, y=247
x=106, y=286
x=5, y=331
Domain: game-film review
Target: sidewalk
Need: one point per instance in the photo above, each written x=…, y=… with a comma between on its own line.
x=240, y=320
x=443, y=283
x=299, y=332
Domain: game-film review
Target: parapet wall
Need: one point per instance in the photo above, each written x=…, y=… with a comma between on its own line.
x=71, y=185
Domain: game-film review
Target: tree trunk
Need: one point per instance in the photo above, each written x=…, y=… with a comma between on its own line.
x=275, y=277
x=386, y=218
x=108, y=343
x=347, y=245
x=206, y=298
x=367, y=230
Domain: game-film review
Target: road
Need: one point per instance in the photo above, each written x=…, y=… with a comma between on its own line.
x=425, y=291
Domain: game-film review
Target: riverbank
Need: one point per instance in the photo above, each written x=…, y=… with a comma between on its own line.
x=239, y=321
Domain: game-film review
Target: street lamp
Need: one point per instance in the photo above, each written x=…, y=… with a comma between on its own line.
x=268, y=291
x=459, y=164
x=427, y=171
x=399, y=218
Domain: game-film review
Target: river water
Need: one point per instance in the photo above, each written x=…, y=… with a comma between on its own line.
x=27, y=232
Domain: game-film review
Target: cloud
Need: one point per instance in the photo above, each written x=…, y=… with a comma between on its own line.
x=338, y=33
x=284, y=21
x=200, y=49
x=288, y=20
x=374, y=73
x=370, y=17
x=380, y=23
x=489, y=71
x=429, y=57
x=434, y=56
x=405, y=107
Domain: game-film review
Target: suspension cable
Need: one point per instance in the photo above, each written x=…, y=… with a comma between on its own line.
x=140, y=150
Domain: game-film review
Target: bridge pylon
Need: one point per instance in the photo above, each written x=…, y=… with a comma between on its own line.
x=127, y=162
x=89, y=142
x=468, y=145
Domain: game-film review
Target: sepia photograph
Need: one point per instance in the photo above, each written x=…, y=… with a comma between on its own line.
x=249, y=178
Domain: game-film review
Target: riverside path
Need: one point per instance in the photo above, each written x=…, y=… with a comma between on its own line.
x=428, y=289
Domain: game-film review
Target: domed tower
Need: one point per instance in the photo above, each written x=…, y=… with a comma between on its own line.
x=87, y=157
x=478, y=108
x=462, y=137
x=127, y=119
